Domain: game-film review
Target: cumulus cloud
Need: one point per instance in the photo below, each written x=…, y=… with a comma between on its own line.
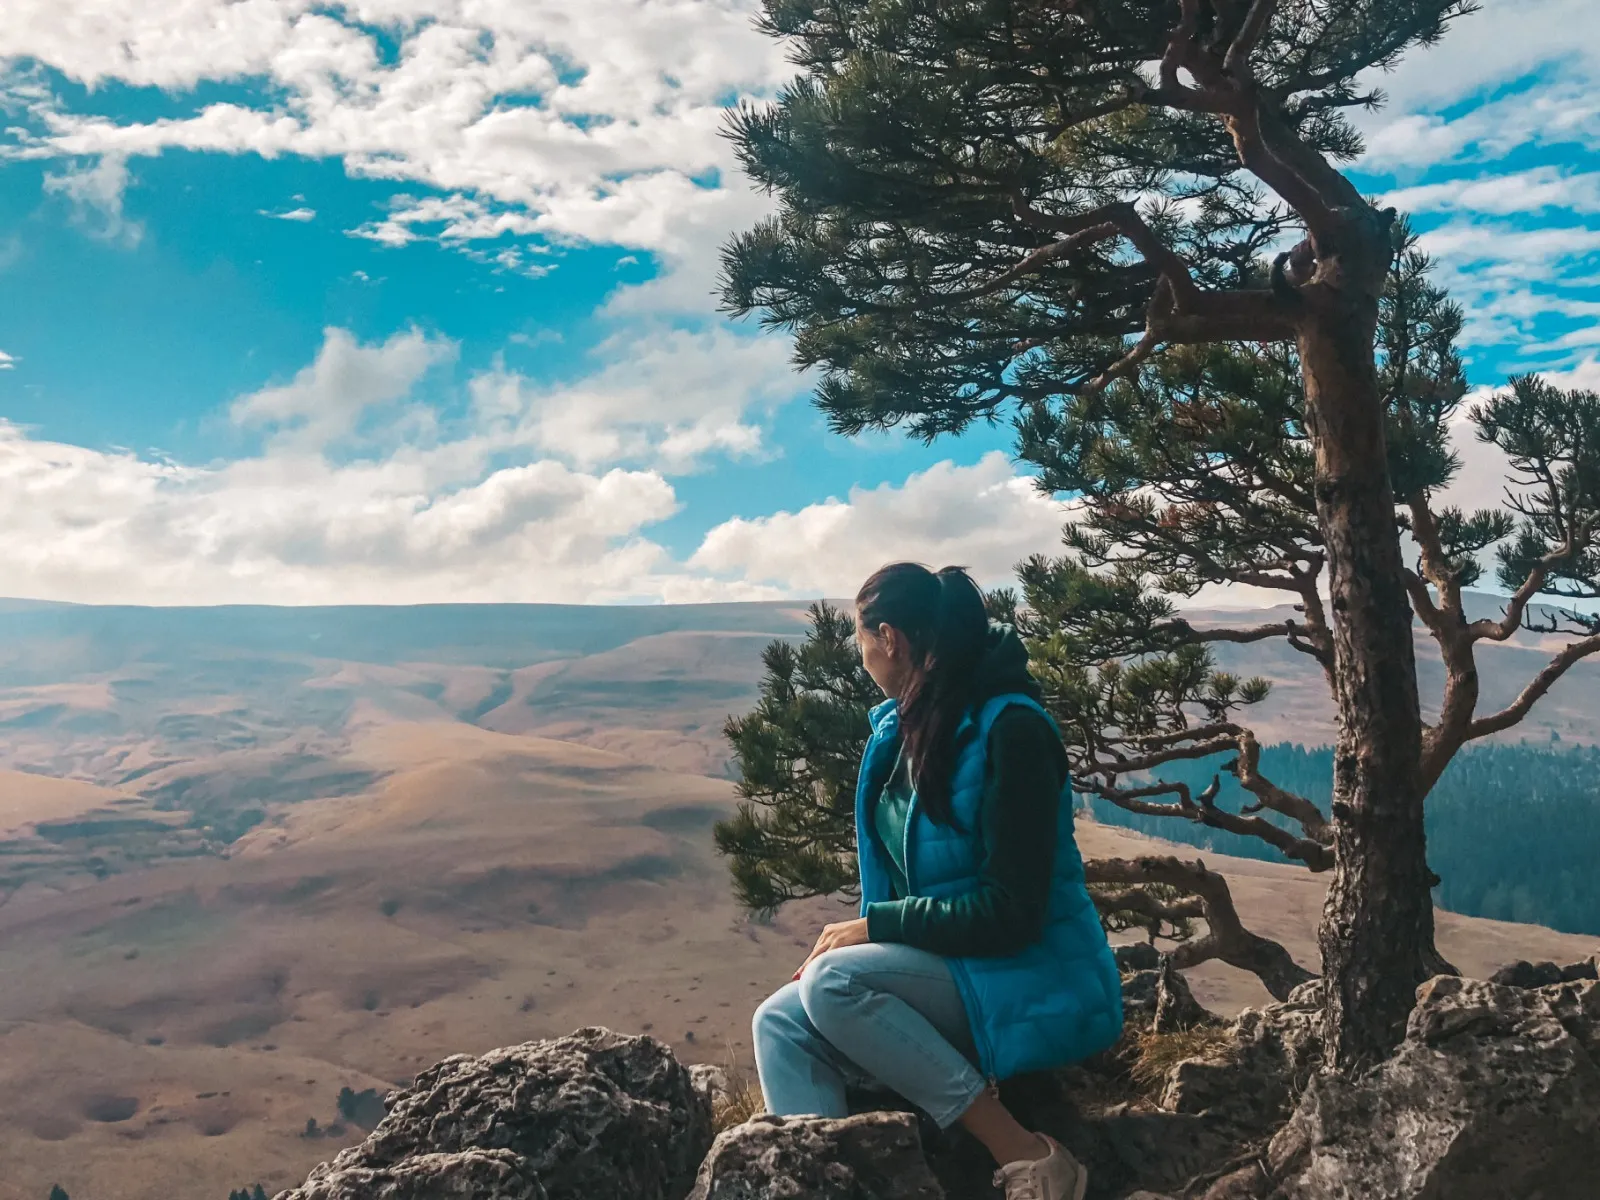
x=99, y=527
x=301, y=214
x=402, y=512
x=1520, y=192
x=329, y=398
x=596, y=122
x=985, y=517
x=666, y=396
x=95, y=190
x=7, y=361
x=1510, y=278
x=363, y=491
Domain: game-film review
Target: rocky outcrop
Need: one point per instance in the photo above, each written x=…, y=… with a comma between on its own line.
x=875, y=1156
x=593, y=1114
x=1495, y=1092
x=1175, y=1008
x=471, y=1175
x=1272, y=1053
x=1158, y=997
x=1544, y=974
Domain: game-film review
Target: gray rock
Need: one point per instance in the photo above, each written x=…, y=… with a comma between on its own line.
x=1176, y=1009
x=1139, y=993
x=1137, y=956
x=1587, y=969
x=590, y=1115
x=1527, y=975
x=1494, y=1093
x=1577, y=1006
x=1544, y=974
x=471, y=1175
x=874, y=1156
x=1273, y=1052
x=711, y=1081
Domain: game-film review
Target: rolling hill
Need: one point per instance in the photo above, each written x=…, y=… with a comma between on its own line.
x=251, y=857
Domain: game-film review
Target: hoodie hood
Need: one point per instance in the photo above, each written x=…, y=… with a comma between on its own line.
x=1003, y=669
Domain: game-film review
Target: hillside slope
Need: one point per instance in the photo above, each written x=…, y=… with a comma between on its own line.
x=251, y=857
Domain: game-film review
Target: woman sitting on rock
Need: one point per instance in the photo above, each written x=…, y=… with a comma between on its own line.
x=978, y=954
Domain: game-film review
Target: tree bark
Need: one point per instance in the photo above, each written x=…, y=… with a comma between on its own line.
x=1376, y=936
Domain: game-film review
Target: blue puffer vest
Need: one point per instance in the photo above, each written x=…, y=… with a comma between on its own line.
x=1057, y=1002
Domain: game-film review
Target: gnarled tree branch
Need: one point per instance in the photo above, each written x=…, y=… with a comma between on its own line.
x=1226, y=937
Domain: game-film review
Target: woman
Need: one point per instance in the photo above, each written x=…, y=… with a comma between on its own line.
x=978, y=954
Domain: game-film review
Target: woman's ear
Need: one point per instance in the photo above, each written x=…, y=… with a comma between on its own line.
x=890, y=639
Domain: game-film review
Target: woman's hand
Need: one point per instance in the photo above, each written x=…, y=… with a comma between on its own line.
x=845, y=933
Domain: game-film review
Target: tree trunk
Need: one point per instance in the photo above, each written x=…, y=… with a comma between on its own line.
x=1377, y=926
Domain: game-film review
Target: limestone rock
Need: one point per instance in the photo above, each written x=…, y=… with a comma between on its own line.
x=1495, y=1092
x=593, y=1114
x=711, y=1081
x=1176, y=1008
x=1273, y=1052
x=1139, y=993
x=874, y=1156
x=471, y=1175
x=1543, y=974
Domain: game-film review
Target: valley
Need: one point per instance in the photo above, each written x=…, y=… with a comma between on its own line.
x=252, y=858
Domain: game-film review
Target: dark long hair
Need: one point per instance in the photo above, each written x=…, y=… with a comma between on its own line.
x=943, y=617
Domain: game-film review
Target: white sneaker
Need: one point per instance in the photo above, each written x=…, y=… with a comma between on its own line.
x=1058, y=1176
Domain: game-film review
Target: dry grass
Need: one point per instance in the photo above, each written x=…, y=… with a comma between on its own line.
x=742, y=1099
x=737, y=1105
x=1158, y=1053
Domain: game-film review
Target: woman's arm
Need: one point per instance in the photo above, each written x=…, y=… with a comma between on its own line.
x=1020, y=809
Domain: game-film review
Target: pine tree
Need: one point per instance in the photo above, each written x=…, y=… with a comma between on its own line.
x=59, y=1193
x=798, y=752
x=793, y=836
x=993, y=205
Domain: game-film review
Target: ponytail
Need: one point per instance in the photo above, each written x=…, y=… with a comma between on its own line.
x=942, y=616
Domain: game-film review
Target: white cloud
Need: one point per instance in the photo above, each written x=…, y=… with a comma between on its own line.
x=7, y=361
x=597, y=122
x=328, y=399
x=1521, y=192
x=668, y=397
x=985, y=517
x=294, y=214
x=1506, y=41
x=1551, y=48
x=370, y=487
x=95, y=190
x=96, y=527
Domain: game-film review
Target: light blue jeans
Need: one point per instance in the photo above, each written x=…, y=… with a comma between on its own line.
x=882, y=1014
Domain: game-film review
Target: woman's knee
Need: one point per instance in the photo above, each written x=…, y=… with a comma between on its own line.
x=779, y=1017
x=826, y=986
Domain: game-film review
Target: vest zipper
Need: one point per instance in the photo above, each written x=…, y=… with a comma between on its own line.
x=911, y=816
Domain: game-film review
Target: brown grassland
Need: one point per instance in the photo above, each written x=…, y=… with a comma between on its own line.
x=425, y=874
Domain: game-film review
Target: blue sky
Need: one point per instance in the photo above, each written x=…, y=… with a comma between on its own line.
x=410, y=301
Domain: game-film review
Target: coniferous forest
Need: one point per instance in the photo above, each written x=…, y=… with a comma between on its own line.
x=1513, y=830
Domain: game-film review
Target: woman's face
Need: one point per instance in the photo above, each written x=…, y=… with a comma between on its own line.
x=886, y=654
